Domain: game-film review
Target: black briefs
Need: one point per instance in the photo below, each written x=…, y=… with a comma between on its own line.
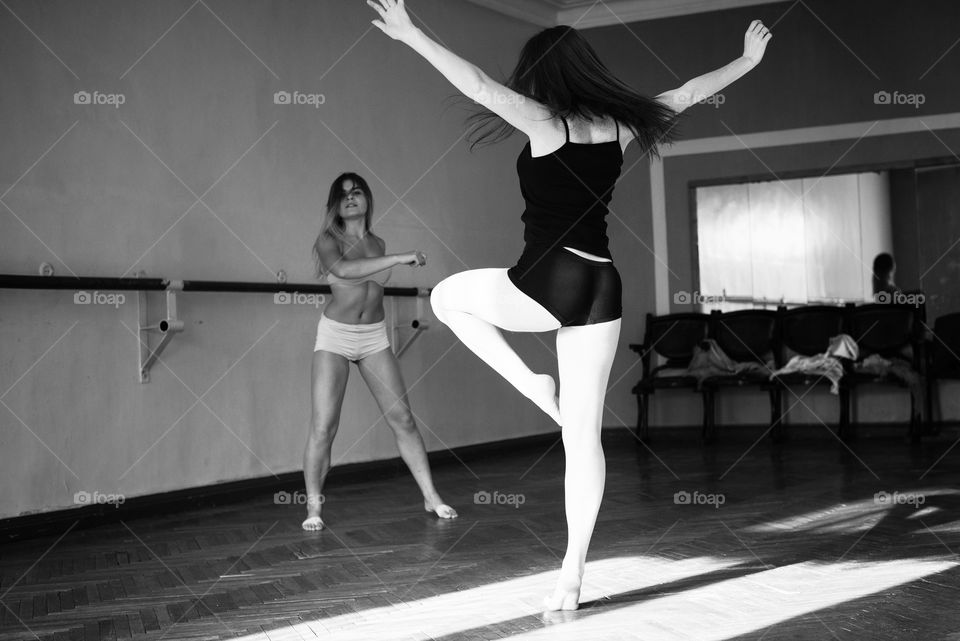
x=575, y=289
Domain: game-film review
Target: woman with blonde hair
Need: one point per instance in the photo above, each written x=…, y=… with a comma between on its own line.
x=352, y=329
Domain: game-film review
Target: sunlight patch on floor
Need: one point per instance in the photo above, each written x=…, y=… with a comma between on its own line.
x=496, y=602
x=742, y=605
x=722, y=609
x=857, y=516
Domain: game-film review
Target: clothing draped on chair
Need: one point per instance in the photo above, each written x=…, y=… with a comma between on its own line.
x=709, y=361
x=827, y=364
x=895, y=368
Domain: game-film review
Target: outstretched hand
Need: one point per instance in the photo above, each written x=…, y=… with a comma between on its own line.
x=394, y=19
x=755, y=41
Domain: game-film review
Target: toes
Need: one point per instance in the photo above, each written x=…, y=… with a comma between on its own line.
x=312, y=524
x=564, y=602
x=444, y=511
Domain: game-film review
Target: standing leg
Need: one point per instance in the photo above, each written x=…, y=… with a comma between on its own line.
x=585, y=356
x=328, y=384
x=382, y=375
x=474, y=304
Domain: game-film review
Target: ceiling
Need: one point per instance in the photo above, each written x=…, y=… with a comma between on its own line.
x=594, y=13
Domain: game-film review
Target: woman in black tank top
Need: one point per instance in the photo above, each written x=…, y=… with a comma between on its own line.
x=579, y=118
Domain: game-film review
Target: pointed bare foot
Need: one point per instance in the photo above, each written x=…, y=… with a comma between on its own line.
x=566, y=596
x=543, y=392
x=312, y=524
x=442, y=510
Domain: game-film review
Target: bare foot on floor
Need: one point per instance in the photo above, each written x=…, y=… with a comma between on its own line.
x=566, y=596
x=312, y=524
x=442, y=510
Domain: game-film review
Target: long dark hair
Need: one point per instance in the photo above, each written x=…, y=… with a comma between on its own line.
x=559, y=69
x=333, y=222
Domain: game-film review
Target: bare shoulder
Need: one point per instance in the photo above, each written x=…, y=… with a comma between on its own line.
x=327, y=243
x=548, y=137
x=626, y=136
x=520, y=111
x=329, y=253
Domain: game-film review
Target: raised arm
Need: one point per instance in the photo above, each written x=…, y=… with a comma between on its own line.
x=333, y=261
x=702, y=87
x=523, y=113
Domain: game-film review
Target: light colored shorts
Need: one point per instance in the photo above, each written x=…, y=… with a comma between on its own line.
x=352, y=341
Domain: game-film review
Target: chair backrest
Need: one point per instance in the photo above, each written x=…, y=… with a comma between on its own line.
x=673, y=336
x=748, y=335
x=807, y=330
x=945, y=348
x=883, y=329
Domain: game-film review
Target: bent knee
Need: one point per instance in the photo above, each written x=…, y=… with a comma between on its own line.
x=439, y=299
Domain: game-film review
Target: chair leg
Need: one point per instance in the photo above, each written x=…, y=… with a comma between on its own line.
x=776, y=416
x=643, y=428
x=931, y=427
x=916, y=421
x=636, y=428
x=708, y=431
x=845, y=431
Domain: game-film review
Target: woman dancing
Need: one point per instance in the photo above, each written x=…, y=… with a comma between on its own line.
x=579, y=119
x=352, y=328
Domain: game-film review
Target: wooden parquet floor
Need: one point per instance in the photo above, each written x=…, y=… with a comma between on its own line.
x=796, y=541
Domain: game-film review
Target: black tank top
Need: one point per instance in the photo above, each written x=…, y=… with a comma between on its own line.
x=567, y=194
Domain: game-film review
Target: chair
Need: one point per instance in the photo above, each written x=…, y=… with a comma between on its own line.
x=943, y=360
x=746, y=336
x=807, y=331
x=673, y=337
x=889, y=331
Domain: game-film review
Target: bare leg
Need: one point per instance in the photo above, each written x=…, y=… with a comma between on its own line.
x=382, y=375
x=585, y=355
x=474, y=304
x=328, y=384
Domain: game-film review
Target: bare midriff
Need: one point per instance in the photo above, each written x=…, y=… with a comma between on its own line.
x=356, y=303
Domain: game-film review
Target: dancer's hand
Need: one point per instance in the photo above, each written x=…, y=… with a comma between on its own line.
x=395, y=21
x=414, y=259
x=755, y=42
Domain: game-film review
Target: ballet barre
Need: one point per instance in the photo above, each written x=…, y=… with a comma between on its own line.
x=170, y=324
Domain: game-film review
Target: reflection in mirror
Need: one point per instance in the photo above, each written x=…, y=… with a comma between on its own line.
x=792, y=242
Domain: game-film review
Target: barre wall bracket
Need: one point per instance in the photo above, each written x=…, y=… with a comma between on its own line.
x=418, y=326
x=167, y=327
